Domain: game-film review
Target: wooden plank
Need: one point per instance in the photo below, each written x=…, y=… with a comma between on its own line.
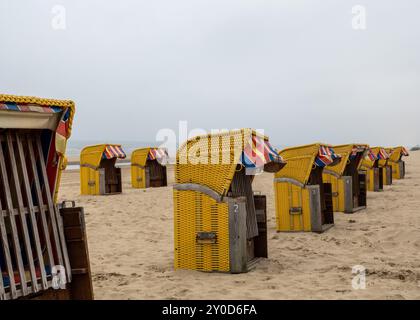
x=63, y=243
x=8, y=258
x=41, y=205
x=18, y=193
x=242, y=186
x=81, y=286
x=50, y=203
x=25, y=211
x=238, y=258
x=9, y=206
x=32, y=216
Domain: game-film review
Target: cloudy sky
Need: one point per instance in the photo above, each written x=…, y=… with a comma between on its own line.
x=295, y=68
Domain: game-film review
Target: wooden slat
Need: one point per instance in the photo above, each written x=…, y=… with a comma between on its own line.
x=19, y=293
x=19, y=197
x=32, y=216
x=8, y=258
x=9, y=206
x=63, y=243
x=41, y=203
x=50, y=204
x=25, y=211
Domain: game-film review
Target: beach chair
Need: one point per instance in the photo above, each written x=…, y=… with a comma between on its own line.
x=374, y=170
x=148, y=167
x=383, y=162
x=347, y=182
x=220, y=223
x=303, y=200
x=43, y=246
x=98, y=174
x=396, y=162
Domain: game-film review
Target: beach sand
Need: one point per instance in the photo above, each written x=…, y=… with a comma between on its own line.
x=131, y=248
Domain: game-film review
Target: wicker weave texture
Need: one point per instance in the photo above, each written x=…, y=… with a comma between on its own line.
x=197, y=212
x=288, y=196
x=211, y=160
x=300, y=161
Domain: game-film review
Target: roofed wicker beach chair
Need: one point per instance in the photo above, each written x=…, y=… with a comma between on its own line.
x=375, y=165
x=43, y=246
x=303, y=200
x=347, y=181
x=98, y=174
x=148, y=167
x=220, y=223
x=396, y=162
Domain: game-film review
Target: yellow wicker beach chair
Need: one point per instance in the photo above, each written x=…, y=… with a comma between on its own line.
x=396, y=162
x=148, y=167
x=98, y=174
x=43, y=246
x=384, y=163
x=347, y=182
x=375, y=166
x=303, y=200
x=220, y=224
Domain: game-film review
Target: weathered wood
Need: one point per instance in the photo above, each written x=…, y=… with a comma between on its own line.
x=18, y=193
x=50, y=203
x=63, y=243
x=32, y=216
x=348, y=194
x=74, y=224
x=43, y=208
x=25, y=211
x=9, y=206
x=7, y=256
x=242, y=186
x=315, y=208
x=238, y=258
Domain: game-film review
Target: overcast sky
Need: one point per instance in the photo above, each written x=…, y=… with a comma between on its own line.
x=295, y=68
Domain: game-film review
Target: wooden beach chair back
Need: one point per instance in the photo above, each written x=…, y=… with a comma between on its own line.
x=98, y=174
x=220, y=222
x=43, y=247
x=347, y=181
x=148, y=167
x=396, y=162
x=303, y=200
x=383, y=162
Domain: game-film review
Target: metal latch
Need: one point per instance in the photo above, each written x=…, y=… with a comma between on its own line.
x=65, y=202
x=295, y=210
x=334, y=194
x=206, y=237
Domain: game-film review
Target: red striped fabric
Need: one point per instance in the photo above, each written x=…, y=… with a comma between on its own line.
x=160, y=154
x=382, y=154
x=113, y=151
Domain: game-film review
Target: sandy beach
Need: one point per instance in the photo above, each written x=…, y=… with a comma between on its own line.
x=131, y=248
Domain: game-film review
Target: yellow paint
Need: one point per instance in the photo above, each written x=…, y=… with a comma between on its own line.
x=287, y=196
x=197, y=212
x=337, y=184
x=138, y=174
x=90, y=159
x=394, y=161
x=300, y=161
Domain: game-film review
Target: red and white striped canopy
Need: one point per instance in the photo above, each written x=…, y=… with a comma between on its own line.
x=113, y=151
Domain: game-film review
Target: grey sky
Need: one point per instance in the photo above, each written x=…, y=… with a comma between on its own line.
x=295, y=68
